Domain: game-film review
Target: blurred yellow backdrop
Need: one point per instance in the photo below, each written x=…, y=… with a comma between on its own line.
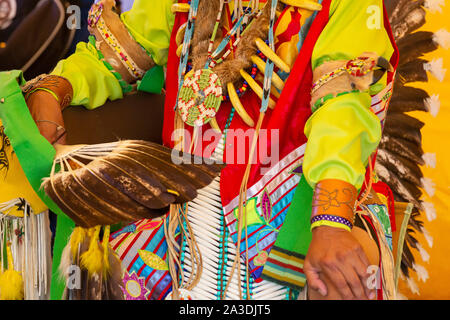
x=433, y=279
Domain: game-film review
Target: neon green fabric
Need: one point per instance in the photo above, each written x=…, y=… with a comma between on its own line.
x=342, y=135
x=91, y=81
x=150, y=23
x=344, y=132
x=35, y=155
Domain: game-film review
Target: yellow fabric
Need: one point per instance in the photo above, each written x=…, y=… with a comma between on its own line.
x=344, y=132
x=14, y=183
x=435, y=283
x=342, y=135
x=149, y=22
x=91, y=81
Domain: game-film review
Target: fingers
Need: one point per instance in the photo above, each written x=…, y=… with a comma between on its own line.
x=361, y=267
x=314, y=281
x=356, y=284
x=348, y=275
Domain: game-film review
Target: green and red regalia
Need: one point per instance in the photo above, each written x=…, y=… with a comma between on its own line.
x=303, y=142
x=334, y=142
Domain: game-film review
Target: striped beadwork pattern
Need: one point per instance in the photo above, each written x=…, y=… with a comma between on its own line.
x=331, y=218
x=205, y=213
x=285, y=268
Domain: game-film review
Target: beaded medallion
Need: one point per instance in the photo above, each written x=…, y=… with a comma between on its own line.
x=200, y=97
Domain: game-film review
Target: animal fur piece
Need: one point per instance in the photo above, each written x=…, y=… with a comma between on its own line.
x=125, y=181
x=227, y=71
x=347, y=82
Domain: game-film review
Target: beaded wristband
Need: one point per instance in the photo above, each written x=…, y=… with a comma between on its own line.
x=330, y=224
x=331, y=221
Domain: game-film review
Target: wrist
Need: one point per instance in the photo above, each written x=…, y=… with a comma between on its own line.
x=58, y=87
x=333, y=204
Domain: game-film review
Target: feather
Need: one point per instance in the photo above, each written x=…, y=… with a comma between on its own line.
x=415, y=45
x=433, y=104
x=429, y=186
x=405, y=121
x=399, y=9
x=430, y=210
x=412, y=71
x=125, y=181
x=403, y=148
x=406, y=99
x=413, y=20
x=442, y=38
x=427, y=236
x=429, y=159
x=434, y=5
x=412, y=285
x=436, y=68
x=413, y=136
x=398, y=185
x=401, y=166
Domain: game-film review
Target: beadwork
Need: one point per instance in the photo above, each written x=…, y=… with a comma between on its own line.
x=125, y=58
x=200, y=97
x=357, y=67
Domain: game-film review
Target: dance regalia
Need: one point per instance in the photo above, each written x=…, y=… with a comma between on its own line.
x=279, y=187
x=277, y=200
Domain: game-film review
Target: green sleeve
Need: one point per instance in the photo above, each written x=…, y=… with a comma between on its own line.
x=91, y=81
x=149, y=22
x=344, y=132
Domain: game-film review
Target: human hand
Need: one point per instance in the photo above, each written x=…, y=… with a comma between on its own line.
x=338, y=256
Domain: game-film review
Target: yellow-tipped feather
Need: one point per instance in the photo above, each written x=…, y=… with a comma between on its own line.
x=180, y=7
x=76, y=239
x=106, y=248
x=11, y=281
x=276, y=80
x=92, y=259
x=304, y=4
x=236, y=102
x=256, y=87
x=269, y=53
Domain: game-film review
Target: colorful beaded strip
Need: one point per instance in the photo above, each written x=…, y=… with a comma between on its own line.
x=269, y=64
x=321, y=101
x=125, y=58
x=188, y=34
x=240, y=91
x=126, y=87
x=94, y=14
x=215, y=61
x=354, y=67
x=330, y=220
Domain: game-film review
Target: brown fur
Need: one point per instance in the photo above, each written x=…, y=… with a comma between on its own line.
x=227, y=71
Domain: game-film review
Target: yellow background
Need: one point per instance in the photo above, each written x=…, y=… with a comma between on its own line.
x=436, y=139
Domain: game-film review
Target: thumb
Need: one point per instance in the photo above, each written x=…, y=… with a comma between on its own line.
x=314, y=281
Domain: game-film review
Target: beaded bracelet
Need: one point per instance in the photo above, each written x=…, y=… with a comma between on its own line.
x=331, y=221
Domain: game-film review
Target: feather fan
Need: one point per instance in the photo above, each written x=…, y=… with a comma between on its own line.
x=124, y=181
